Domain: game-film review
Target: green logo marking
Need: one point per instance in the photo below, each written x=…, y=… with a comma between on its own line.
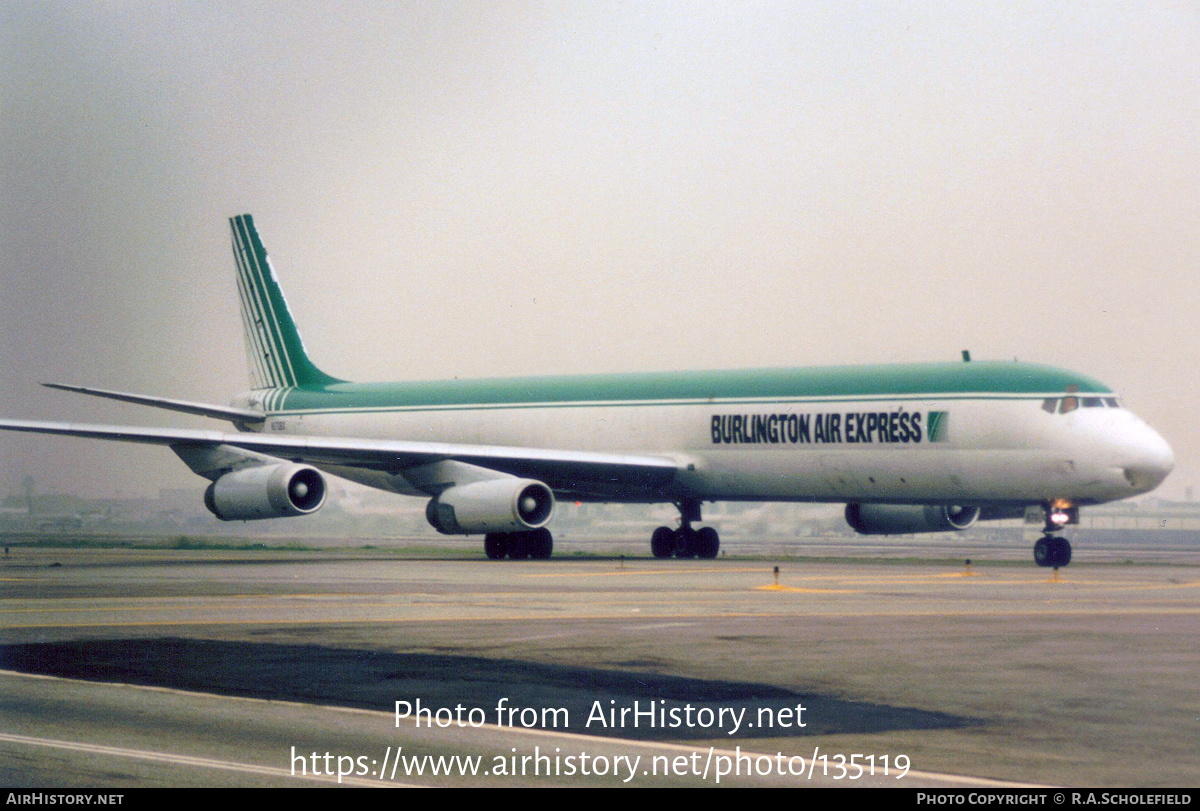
x=935, y=426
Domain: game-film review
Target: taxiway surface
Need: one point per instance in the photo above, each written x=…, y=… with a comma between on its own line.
x=223, y=668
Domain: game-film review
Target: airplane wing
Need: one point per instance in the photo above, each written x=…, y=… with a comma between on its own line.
x=578, y=472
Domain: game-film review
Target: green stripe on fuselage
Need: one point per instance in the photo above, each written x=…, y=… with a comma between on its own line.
x=901, y=380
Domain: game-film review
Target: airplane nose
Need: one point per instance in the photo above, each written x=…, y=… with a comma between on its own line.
x=1151, y=462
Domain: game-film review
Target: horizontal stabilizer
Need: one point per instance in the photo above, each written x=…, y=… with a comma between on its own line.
x=202, y=409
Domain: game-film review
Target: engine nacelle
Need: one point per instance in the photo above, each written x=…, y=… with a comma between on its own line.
x=903, y=519
x=268, y=491
x=494, y=505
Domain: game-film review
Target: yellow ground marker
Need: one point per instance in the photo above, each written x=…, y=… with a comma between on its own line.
x=777, y=587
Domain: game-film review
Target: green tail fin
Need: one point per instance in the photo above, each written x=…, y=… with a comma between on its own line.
x=274, y=350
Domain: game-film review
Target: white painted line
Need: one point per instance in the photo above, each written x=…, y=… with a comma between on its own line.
x=955, y=779
x=191, y=760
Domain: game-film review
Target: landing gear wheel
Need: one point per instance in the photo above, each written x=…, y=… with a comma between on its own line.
x=1052, y=551
x=685, y=543
x=708, y=543
x=1041, y=551
x=496, y=544
x=662, y=542
x=541, y=544
x=519, y=547
x=1060, y=552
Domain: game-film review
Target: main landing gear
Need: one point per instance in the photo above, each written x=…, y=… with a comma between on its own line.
x=686, y=542
x=536, y=544
x=1051, y=550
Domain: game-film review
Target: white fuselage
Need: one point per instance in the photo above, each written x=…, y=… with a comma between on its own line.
x=994, y=450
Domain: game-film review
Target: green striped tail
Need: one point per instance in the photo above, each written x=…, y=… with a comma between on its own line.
x=275, y=353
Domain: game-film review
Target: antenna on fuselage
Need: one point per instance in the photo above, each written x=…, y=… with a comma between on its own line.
x=966, y=355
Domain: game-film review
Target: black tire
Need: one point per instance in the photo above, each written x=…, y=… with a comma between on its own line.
x=1043, y=551
x=685, y=543
x=1060, y=552
x=520, y=547
x=708, y=543
x=541, y=544
x=495, y=545
x=662, y=542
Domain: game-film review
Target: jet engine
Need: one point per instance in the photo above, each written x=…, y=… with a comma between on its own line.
x=494, y=505
x=268, y=491
x=902, y=519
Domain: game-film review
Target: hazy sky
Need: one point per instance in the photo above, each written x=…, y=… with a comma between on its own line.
x=504, y=188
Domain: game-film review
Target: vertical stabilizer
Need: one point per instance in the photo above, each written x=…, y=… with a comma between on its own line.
x=273, y=347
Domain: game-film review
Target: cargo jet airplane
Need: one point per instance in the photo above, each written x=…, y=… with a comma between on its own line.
x=908, y=448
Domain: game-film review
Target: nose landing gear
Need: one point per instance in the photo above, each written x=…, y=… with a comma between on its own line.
x=1050, y=549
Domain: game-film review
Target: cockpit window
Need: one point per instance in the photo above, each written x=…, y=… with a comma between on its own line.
x=1065, y=405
